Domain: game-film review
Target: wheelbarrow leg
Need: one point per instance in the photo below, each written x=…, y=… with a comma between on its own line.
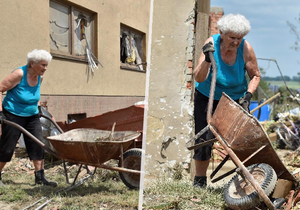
x=244, y=170
x=219, y=167
x=66, y=172
x=233, y=170
x=77, y=174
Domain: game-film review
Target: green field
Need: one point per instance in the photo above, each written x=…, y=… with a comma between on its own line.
x=290, y=84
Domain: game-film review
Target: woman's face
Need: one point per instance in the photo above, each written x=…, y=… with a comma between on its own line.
x=231, y=41
x=40, y=67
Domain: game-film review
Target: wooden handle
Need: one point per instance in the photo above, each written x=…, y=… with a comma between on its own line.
x=266, y=102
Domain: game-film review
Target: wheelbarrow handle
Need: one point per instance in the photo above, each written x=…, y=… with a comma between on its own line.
x=266, y=102
x=23, y=130
x=212, y=87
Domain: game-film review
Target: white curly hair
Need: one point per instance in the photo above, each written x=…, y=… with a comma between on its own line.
x=235, y=23
x=38, y=55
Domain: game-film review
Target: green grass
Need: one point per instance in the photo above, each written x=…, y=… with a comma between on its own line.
x=290, y=84
x=180, y=194
x=102, y=191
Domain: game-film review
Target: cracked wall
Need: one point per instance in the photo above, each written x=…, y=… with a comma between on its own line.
x=170, y=111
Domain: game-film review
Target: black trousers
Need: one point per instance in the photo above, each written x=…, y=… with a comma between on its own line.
x=10, y=136
x=200, y=113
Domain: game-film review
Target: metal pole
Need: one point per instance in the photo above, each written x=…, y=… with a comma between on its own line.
x=266, y=102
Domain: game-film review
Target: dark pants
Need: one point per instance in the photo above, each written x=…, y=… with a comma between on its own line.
x=200, y=112
x=10, y=136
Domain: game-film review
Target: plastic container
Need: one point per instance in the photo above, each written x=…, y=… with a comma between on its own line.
x=265, y=111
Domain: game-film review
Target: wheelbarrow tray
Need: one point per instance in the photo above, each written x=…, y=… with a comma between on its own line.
x=91, y=146
x=243, y=133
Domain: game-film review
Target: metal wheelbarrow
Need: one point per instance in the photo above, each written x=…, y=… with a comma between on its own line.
x=247, y=144
x=93, y=147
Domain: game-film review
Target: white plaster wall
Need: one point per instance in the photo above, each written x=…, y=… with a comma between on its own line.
x=169, y=111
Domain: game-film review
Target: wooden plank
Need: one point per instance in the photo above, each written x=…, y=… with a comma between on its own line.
x=282, y=188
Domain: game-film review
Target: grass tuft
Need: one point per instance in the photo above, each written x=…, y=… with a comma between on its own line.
x=168, y=193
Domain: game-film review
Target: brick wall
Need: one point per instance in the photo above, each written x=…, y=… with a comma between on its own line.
x=215, y=14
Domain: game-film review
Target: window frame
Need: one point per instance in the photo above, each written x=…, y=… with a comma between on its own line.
x=134, y=67
x=71, y=54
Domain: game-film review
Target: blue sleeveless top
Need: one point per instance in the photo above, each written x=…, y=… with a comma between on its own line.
x=22, y=100
x=231, y=79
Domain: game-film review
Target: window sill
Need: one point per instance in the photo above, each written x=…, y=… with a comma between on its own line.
x=126, y=66
x=84, y=60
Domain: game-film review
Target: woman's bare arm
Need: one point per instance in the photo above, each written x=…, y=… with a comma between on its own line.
x=251, y=67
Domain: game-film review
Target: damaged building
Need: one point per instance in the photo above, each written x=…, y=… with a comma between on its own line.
x=175, y=51
x=98, y=47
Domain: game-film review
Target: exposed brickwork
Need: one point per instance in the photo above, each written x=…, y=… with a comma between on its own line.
x=215, y=14
x=189, y=55
x=61, y=106
x=189, y=85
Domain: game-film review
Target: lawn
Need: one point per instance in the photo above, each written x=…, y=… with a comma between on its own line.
x=290, y=84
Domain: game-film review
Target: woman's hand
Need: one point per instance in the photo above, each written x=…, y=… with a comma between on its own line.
x=208, y=47
x=202, y=69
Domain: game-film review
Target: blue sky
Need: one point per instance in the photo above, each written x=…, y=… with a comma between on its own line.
x=270, y=34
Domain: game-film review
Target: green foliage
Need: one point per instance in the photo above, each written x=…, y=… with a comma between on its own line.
x=11, y=195
x=287, y=87
x=279, y=78
x=263, y=92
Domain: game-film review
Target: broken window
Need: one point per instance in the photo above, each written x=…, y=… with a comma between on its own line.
x=71, y=31
x=75, y=117
x=132, y=53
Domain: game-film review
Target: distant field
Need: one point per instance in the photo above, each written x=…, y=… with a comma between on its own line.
x=290, y=84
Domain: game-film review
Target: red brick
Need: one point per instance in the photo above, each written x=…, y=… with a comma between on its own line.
x=297, y=197
x=189, y=85
x=289, y=199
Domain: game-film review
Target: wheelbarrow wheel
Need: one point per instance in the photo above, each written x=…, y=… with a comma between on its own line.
x=131, y=160
x=240, y=194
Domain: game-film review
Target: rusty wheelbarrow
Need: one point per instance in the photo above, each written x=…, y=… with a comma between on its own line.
x=257, y=164
x=93, y=147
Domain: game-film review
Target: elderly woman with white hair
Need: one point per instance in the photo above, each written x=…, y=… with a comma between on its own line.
x=234, y=58
x=21, y=106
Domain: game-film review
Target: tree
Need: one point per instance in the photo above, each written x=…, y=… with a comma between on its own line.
x=294, y=30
